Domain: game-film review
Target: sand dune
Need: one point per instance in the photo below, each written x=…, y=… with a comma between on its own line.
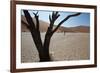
x=71, y=46
x=44, y=26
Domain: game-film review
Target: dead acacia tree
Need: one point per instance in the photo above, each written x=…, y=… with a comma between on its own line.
x=43, y=48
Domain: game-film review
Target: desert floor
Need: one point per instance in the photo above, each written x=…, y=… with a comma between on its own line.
x=71, y=46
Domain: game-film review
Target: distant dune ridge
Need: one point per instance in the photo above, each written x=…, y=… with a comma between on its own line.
x=44, y=25
x=82, y=29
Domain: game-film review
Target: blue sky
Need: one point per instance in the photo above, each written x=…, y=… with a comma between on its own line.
x=81, y=20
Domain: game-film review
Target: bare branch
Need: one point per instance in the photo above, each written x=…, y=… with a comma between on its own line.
x=37, y=20
x=55, y=15
x=50, y=18
x=53, y=18
x=29, y=19
x=65, y=19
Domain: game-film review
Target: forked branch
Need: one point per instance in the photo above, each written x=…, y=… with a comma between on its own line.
x=37, y=20
x=53, y=18
x=29, y=19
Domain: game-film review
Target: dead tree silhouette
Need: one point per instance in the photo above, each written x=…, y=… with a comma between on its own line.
x=43, y=48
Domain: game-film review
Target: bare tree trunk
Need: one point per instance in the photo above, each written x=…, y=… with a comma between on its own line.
x=44, y=55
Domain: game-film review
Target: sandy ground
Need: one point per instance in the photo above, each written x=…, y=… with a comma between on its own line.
x=71, y=46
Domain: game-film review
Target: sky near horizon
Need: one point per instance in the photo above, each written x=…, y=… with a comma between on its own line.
x=82, y=20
